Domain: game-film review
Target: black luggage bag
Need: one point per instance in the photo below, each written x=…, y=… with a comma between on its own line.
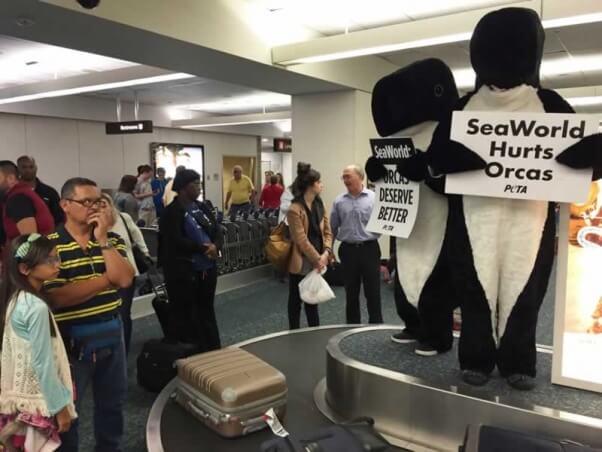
x=155, y=365
x=486, y=438
x=356, y=436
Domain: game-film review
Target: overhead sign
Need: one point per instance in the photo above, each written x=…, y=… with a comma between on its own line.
x=283, y=145
x=122, y=128
x=396, y=203
x=520, y=151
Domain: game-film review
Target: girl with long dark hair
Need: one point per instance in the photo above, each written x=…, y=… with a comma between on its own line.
x=312, y=240
x=36, y=398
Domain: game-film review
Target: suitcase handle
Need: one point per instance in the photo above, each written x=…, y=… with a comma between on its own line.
x=202, y=413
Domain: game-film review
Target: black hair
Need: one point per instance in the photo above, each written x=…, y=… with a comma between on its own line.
x=273, y=179
x=9, y=167
x=13, y=281
x=306, y=177
x=71, y=184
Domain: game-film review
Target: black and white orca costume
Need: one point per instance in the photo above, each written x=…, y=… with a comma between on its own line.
x=409, y=103
x=501, y=250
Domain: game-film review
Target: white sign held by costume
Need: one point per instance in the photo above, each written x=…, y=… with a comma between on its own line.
x=396, y=201
x=520, y=151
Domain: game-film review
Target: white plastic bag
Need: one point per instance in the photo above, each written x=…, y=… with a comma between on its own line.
x=314, y=289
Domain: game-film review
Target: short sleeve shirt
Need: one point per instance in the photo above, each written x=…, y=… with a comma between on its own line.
x=241, y=190
x=80, y=265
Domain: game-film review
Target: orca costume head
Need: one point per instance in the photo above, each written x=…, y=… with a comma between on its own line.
x=506, y=48
x=422, y=91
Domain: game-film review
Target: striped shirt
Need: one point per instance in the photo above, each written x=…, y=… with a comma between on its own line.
x=80, y=265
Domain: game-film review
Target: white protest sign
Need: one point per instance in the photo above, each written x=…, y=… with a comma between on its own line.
x=520, y=151
x=396, y=201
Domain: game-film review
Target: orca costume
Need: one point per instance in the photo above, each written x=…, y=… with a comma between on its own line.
x=501, y=250
x=408, y=103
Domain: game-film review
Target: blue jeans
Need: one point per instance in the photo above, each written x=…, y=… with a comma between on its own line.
x=108, y=375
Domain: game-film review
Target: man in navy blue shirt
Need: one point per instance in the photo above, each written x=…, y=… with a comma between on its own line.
x=359, y=251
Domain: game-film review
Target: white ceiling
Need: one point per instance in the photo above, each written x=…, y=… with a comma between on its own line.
x=23, y=62
x=200, y=94
x=574, y=52
x=331, y=17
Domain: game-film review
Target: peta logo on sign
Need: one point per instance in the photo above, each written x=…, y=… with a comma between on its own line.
x=520, y=150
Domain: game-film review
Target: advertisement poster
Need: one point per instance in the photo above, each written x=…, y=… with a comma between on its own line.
x=396, y=202
x=520, y=151
x=578, y=316
x=171, y=155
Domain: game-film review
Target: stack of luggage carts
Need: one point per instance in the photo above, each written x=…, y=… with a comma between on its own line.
x=244, y=239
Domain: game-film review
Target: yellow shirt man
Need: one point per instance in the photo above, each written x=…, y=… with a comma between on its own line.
x=240, y=191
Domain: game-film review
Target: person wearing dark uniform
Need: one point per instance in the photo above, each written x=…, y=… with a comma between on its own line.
x=189, y=243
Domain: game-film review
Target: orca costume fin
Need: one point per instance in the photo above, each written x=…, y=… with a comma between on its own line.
x=446, y=156
x=415, y=167
x=587, y=152
x=375, y=169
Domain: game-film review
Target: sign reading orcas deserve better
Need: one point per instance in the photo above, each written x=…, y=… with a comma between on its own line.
x=396, y=201
x=127, y=127
x=520, y=151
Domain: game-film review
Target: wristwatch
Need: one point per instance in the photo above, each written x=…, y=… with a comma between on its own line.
x=108, y=246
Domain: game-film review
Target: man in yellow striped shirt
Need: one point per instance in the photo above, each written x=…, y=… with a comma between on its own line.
x=86, y=304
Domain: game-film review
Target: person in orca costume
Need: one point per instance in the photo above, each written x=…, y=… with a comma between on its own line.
x=501, y=250
x=409, y=103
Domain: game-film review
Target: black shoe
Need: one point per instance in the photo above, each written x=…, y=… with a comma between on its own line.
x=403, y=337
x=474, y=377
x=521, y=382
x=425, y=350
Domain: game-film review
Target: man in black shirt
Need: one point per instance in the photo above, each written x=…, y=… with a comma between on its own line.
x=28, y=173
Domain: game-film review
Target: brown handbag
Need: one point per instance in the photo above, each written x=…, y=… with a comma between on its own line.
x=278, y=247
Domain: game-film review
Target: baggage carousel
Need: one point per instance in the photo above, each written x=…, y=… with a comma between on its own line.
x=337, y=373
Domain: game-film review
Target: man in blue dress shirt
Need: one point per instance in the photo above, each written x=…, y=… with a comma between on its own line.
x=359, y=251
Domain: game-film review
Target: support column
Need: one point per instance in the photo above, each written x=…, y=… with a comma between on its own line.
x=331, y=131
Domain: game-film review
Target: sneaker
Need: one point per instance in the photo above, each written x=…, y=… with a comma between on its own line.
x=425, y=350
x=403, y=337
x=521, y=382
x=474, y=377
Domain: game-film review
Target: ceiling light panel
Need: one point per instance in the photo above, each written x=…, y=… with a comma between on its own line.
x=269, y=101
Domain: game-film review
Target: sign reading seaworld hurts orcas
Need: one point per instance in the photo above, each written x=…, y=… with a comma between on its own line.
x=520, y=151
x=396, y=201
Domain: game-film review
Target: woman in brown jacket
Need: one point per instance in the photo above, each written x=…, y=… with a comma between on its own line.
x=312, y=240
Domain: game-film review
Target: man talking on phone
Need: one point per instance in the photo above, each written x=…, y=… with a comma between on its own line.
x=86, y=303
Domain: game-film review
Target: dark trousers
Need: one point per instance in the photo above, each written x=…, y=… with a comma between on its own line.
x=192, y=312
x=108, y=375
x=236, y=209
x=127, y=296
x=361, y=265
x=295, y=302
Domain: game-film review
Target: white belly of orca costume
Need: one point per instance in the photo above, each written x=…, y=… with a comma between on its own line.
x=418, y=254
x=505, y=234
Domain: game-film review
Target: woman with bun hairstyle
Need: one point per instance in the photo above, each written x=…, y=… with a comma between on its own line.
x=312, y=240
